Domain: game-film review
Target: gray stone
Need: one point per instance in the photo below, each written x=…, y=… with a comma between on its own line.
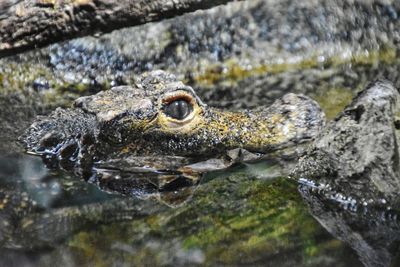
x=357, y=153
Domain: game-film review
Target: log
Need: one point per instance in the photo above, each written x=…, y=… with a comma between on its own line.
x=30, y=24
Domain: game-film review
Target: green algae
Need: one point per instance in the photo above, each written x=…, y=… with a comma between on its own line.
x=231, y=72
x=18, y=78
x=333, y=100
x=230, y=220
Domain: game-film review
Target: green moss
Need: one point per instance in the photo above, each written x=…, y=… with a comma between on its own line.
x=18, y=78
x=333, y=100
x=231, y=72
x=230, y=220
x=385, y=55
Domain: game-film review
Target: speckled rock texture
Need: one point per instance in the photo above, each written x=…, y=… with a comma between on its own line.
x=357, y=153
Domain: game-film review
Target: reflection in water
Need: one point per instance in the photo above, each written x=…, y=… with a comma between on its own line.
x=27, y=175
x=49, y=206
x=373, y=232
x=238, y=209
x=172, y=187
x=41, y=187
x=30, y=175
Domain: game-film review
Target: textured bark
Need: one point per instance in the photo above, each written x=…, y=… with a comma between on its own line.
x=29, y=24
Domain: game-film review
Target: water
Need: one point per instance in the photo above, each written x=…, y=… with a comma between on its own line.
x=235, y=217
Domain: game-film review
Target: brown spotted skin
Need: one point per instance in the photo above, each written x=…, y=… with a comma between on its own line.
x=131, y=120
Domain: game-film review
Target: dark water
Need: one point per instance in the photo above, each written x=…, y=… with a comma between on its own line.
x=240, y=217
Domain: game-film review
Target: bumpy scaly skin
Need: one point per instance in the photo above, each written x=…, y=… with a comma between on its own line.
x=130, y=120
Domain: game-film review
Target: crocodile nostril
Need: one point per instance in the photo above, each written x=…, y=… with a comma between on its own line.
x=69, y=151
x=51, y=139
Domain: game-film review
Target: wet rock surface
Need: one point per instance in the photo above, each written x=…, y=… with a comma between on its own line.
x=349, y=178
x=357, y=153
x=372, y=232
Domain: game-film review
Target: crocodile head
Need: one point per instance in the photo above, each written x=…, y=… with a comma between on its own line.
x=161, y=117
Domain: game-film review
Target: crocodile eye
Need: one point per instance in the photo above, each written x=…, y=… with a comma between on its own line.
x=178, y=109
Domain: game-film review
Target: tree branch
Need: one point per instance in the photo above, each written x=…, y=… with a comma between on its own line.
x=30, y=24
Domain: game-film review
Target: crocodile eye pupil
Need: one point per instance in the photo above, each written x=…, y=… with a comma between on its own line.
x=178, y=109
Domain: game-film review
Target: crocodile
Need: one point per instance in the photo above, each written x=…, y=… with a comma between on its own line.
x=32, y=218
x=160, y=124
x=318, y=30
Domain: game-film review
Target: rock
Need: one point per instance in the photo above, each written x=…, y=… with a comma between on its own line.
x=357, y=153
x=372, y=233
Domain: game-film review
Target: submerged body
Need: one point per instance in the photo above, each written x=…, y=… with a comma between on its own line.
x=160, y=116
